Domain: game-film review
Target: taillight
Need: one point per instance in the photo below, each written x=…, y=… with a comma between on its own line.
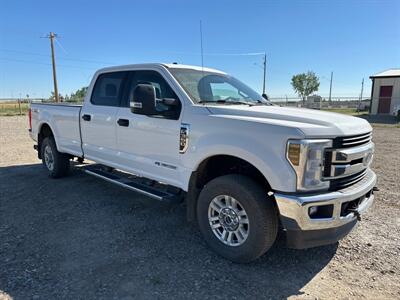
x=30, y=118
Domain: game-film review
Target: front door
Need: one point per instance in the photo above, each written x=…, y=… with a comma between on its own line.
x=149, y=145
x=385, y=98
x=98, y=118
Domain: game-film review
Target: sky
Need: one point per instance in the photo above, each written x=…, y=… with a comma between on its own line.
x=352, y=39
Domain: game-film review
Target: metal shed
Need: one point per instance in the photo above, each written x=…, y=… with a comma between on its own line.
x=385, y=92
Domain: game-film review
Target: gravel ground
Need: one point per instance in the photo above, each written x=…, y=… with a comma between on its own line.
x=80, y=237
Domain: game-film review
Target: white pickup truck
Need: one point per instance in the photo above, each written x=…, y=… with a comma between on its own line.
x=246, y=168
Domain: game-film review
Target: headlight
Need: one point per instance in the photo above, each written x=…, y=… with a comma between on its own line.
x=306, y=158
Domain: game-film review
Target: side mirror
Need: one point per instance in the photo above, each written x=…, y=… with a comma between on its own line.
x=170, y=101
x=144, y=100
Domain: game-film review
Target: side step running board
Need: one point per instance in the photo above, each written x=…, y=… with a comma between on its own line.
x=150, y=188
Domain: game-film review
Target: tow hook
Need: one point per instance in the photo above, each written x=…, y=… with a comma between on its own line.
x=356, y=213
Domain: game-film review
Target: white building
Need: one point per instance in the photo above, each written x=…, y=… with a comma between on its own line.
x=385, y=92
x=314, y=99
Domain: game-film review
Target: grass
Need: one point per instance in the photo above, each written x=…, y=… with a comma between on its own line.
x=12, y=109
x=347, y=111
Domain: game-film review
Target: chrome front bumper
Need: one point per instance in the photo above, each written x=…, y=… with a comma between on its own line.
x=294, y=209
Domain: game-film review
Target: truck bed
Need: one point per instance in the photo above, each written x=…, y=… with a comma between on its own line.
x=65, y=121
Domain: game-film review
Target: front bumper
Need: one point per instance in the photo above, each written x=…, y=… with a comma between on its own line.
x=304, y=231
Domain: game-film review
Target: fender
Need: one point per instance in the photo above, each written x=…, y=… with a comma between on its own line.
x=44, y=122
x=269, y=160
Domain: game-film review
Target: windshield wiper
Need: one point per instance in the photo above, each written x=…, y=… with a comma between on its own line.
x=263, y=102
x=226, y=102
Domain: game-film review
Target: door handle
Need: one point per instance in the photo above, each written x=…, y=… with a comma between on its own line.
x=86, y=117
x=123, y=122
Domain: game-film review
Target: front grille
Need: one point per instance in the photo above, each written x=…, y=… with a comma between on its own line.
x=341, y=183
x=352, y=140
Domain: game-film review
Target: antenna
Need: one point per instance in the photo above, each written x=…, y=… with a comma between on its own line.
x=265, y=70
x=201, y=46
x=202, y=62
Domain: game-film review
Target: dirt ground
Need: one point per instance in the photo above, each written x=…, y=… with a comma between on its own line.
x=79, y=237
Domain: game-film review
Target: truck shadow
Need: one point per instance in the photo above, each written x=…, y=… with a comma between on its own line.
x=80, y=237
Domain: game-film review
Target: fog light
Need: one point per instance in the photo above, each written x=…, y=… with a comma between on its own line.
x=312, y=210
x=320, y=211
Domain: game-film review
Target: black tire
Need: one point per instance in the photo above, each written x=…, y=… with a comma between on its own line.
x=60, y=161
x=261, y=213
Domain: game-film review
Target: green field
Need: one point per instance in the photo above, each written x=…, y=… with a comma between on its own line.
x=12, y=108
x=347, y=111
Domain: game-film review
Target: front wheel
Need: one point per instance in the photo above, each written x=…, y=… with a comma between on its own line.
x=237, y=218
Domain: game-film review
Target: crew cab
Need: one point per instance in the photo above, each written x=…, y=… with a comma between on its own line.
x=245, y=167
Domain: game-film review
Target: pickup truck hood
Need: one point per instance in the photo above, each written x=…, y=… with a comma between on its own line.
x=313, y=123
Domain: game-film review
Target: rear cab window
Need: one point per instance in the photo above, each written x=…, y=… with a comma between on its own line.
x=108, y=89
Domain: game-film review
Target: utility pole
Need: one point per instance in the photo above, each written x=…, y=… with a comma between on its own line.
x=51, y=36
x=362, y=89
x=361, y=95
x=19, y=104
x=330, y=88
x=265, y=71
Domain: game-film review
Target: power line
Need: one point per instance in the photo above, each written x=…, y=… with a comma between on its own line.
x=217, y=53
x=62, y=58
x=45, y=64
x=61, y=46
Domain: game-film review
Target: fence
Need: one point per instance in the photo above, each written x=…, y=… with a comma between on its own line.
x=12, y=106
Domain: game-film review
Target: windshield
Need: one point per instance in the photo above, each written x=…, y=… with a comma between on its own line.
x=210, y=87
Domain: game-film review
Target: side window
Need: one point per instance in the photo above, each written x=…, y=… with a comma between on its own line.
x=162, y=88
x=224, y=90
x=108, y=89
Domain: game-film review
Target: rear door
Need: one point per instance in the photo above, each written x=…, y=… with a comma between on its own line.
x=98, y=117
x=149, y=145
x=385, y=98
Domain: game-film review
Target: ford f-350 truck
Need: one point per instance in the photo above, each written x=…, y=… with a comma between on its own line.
x=245, y=167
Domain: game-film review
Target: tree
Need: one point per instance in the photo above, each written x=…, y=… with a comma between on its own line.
x=305, y=84
x=79, y=94
x=53, y=98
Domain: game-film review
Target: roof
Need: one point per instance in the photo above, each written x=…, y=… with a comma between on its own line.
x=152, y=65
x=198, y=68
x=387, y=73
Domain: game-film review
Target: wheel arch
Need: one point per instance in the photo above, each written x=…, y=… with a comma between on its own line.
x=44, y=131
x=218, y=165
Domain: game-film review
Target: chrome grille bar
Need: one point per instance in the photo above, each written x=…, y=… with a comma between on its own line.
x=349, y=154
x=366, y=140
x=340, y=183
x=353, y=140
x=345, y=139
x=348, y=161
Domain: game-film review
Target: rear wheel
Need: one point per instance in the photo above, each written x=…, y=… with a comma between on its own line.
x=236, y=218
x=56, y=163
